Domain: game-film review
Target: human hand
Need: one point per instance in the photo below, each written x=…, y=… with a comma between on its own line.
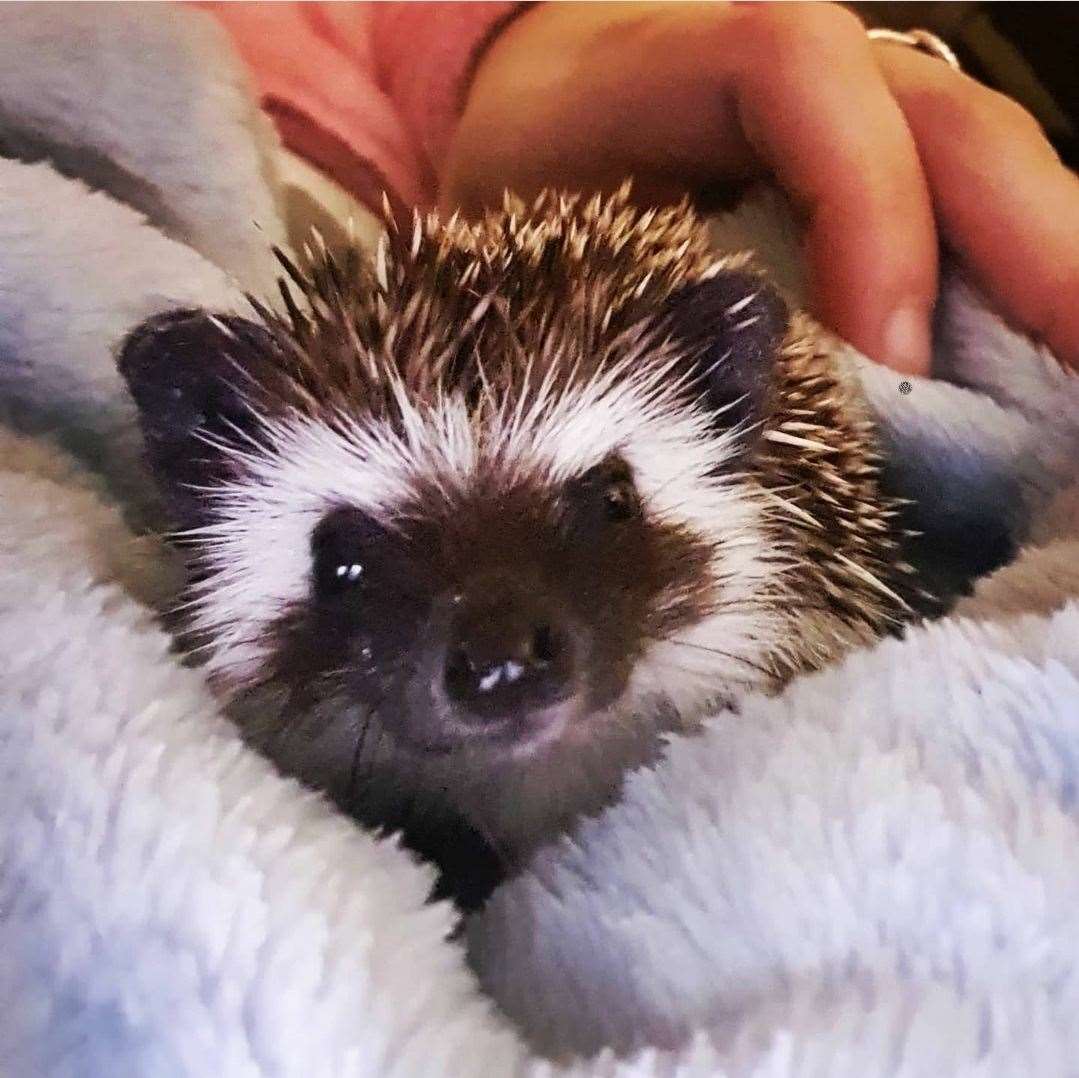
x=883, y=150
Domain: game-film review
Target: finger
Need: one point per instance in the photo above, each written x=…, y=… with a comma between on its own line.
x=815, y=107
x=1005, y=203
x=584, y=95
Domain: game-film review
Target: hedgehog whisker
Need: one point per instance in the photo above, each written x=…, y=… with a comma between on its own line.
x=671, y=480
x=357, y=756
x=365, y=769
x=715, y=651
x=195, y=650
x=740, y=606
x=506, y=861
x=728, y=682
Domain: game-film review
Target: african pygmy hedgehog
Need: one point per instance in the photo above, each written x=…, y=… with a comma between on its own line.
x=477, y=521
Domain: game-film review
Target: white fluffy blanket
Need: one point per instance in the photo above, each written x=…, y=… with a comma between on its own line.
x=875, y=873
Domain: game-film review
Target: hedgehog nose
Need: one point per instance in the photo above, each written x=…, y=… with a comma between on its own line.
x=508, y=653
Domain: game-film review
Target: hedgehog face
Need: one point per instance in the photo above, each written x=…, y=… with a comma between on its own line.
x=489, y=588
x=487, y=582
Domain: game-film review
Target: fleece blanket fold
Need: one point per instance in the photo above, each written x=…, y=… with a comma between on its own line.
x=875, y=873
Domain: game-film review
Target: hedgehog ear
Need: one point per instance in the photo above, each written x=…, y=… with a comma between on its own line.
x=732, y=323
x=193, y=375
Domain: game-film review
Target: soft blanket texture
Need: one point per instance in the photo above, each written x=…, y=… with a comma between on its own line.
x=875, y=873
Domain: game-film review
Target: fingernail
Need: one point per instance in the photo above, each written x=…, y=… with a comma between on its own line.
x=905, y=341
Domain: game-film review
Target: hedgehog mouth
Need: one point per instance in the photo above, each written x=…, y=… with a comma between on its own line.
x=513, y=736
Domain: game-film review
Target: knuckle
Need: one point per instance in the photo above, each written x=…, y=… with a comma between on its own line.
x=991, y=119
x=776, y=29
x=833, y=20
x=955, y=101
x=974, y=112
x=1006, y=114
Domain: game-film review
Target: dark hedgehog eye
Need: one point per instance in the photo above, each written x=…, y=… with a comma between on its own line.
x=620, y=499
x=609, y=488
x=340, y=547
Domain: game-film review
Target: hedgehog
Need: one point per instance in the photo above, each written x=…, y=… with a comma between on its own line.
x=474, y=524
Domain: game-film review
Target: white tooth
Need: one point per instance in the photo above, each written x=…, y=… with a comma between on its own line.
x=513, y=670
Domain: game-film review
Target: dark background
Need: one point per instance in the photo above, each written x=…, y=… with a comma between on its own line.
x=1027, y=50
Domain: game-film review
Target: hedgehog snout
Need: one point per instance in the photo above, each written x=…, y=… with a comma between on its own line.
x=509, y=658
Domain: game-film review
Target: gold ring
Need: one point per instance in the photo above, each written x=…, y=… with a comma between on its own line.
x=922, y=40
